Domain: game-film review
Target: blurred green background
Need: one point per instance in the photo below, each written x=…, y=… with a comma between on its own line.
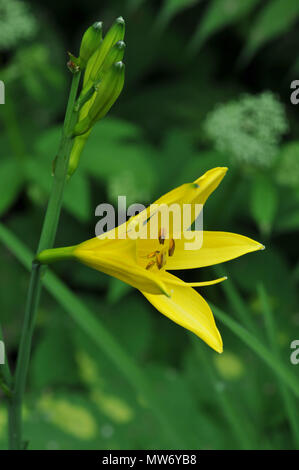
x=207, y=84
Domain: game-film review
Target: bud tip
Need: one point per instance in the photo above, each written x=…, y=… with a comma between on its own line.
x=121, y=44
x=120, y=20
x=119, y=65
x=98, y=25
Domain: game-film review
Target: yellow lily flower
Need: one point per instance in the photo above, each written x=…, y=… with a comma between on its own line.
x=144, y=262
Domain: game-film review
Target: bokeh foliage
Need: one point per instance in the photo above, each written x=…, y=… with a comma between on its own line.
x=207, y=84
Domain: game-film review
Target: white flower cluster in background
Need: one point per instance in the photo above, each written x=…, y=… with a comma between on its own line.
x=249, y=129
x=16, y=23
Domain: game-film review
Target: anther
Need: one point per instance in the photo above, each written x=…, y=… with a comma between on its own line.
x=171, y=247
x=153, y=254
x=150, y=265
x=160, y=260
x=161, y=236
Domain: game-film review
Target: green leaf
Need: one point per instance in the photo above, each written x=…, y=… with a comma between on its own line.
x=134, y=5
x=46, y=145
x=288, y=399
x=271, y=267
x=10, y=183
x=117, y=290
x=289, y=222
x=39, y=169
x=233, y=410
x=219, y=14
x=169, y=9
x=54, y=347
x=77, y=197
x=124, y=166
x=239, y=306
x=262, y=351
x=64, y=420
x=134, y=316
x=263, y=203
x=197, y=424
x=276, y=17
x=287, y=168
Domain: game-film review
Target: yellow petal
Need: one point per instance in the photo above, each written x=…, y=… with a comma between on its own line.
x=179, y=282
x=146, y=221
x=184, y=193
x=217, y=247
x=187, y=308
x=208, y=182
x=117, y=258
x=188, y=193
x=196, y=192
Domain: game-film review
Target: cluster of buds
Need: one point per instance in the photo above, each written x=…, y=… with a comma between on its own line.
x=104, y=72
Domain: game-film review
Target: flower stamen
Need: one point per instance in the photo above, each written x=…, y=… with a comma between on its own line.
x=171, y=247
x=150, y=265
x=161, y=259
x=161, y=236
x=153, y=254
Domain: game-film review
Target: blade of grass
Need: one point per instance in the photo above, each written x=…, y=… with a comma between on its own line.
x=236, y=300
x=265, y=354
x=238, y=422
x=245, y=317
x=101, y=337
x=288, y=399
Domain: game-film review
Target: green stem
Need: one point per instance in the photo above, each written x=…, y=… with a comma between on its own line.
x=55, y=254
x=46, y=241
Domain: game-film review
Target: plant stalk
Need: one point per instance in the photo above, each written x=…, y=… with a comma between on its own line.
x=47, y=238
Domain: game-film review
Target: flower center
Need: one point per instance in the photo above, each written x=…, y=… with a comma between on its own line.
x=159, y=257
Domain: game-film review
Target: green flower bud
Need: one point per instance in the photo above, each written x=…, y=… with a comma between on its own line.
x=90, y=43
x=78, y=146
x=80, y=140
x=116, y=33
x=114, y=55
x=108, y=91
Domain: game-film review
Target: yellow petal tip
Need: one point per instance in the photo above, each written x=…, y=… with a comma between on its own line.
x=223, y=168
x=219, y=348
x=262, y=247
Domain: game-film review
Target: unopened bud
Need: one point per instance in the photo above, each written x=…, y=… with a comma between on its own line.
x=91, y=41
x=116, y=33
x=78, y=146
x=114, y=55
x=108, y=91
